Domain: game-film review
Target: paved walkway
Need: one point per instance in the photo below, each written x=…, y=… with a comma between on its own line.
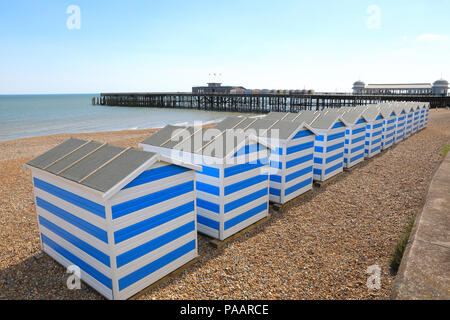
x=425, y=269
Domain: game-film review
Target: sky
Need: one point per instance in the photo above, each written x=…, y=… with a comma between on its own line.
x=85, y=46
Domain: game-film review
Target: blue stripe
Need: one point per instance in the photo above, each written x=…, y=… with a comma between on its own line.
x=231, y=171
x=156, y=174
x=357, y=157
x=201, y=186
x=299, y=173
x=214, y=207
x=298, y=161
x=356, y=131
x=317, y=172
x=376, y=134
x=333, y=168
x=376, y=149
x=208, y=222
x=232, y=188
x=379, y=117
x=251, y=148
x=298, y=186
x=156, y=265
x=335, y=157
x=318, y=149
x=376, y=141
x=278, y=151
x=275, y=178
x=335, y=136
x=276, y=164
x=361, y=121
x=275, y=191
x=247, y=199
x=376, y=126
x=335, y=147
x=338, y=125
x=356, y=149
x=100, y=277
x=391, y=121
x=209, y=171
x=318, y=160
x=320, y=138
x=80, y=244
x=127, y=207
x=153, y=222
x=302, y=134
x=244, y=216
x=300, y=147
x=70, y=197
x=73, y=220
x=362, y=138
x=154, y=244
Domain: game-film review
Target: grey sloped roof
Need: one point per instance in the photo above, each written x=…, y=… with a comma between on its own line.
x=165, y=135
x=352, y=116
x=92, y=164
x=276, y=115
x=386, y=111
x=325, y=120
x=306, y=116
x=371, y=113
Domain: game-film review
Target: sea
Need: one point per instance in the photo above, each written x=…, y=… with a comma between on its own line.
x=23, y=116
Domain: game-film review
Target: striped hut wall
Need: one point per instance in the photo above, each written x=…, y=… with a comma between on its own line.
x=245, y=192
x=416, y=120
x=389, y=133
x=400, y=127
x=374, y=131
x=427, y=111
x=422, y=118
x=409, y=123
x=209, y=195
x=74, y=229
x=329, y=152
x=154, y=227
x=297, y=176
x=354, y=144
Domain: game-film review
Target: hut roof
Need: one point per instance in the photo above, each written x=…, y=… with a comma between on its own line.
x=371, y=113
x=326, y=120
x=92, y=164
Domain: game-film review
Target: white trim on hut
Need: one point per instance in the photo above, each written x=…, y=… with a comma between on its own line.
x=389, y=125
x=409, y=110
x=233, y=183
x=123, y=216
x=355, y=137
x=415, y=126
x=400, y=123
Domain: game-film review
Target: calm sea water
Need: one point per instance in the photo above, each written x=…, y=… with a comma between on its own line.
x=39, y=115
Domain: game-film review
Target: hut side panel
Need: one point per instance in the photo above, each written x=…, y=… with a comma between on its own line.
x=329, y=152
x=74, y=230
x=154, y=228
x=416, y=120
x=354, y=144
x=388, y=134
x=400, y=127
x=246, y=189
x=373, y=137
x=299, y=159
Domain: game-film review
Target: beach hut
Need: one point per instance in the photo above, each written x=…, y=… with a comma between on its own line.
x=427, y=112
x=416, y=119
x=423, y=111
x=374, y=130
x=291, y=161
x=124, y=217
x=329, y=145
x=400, y=122
x=389, y=125
x=409, y=114
x=233, y=182
x=355, y=136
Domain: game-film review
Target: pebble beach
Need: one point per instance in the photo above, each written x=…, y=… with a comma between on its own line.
x=318, y=247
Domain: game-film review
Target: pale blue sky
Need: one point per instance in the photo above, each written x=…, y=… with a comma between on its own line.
x=168, y=45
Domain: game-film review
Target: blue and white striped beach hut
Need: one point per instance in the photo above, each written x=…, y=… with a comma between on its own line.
x=124, y=217
x=329, y=144
x=416, y=119
x=423, y=111
x=427, y=113
x=355, y=136
x=374, y=130
x=389, y=126
x=409, y=113
x=232, y=186
x=291, y=161
x=400, y=122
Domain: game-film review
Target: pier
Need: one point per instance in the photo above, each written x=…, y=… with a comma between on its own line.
x=256, y=103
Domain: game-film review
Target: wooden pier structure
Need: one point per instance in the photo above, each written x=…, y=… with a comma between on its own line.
x=256, y=103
